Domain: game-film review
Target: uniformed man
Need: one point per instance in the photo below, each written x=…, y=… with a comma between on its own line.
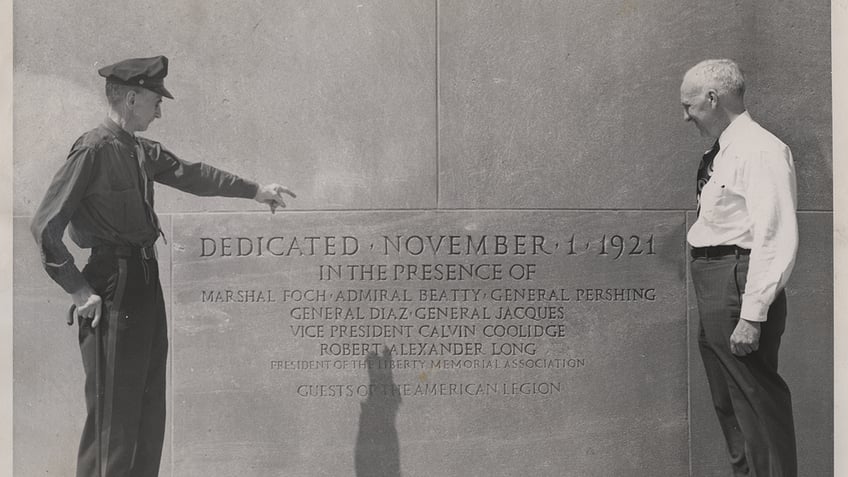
x=743, y=243
x=103, y=193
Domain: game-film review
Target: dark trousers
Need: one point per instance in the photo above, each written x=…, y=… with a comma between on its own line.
x=752, y=401
x=134, y=346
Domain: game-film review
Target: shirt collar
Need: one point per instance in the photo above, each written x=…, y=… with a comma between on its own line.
x=734, y=130
x=119, y=132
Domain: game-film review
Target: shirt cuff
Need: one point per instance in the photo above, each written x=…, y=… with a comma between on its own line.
x=754, y=310
x=67, y=276
x=253, y=187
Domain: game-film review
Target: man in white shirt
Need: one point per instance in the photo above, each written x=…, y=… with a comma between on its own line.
x=743, y=247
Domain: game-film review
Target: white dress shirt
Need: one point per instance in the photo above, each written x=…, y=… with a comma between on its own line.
x=750, y=201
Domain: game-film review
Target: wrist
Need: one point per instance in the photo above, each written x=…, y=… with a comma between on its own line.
x=82, y=294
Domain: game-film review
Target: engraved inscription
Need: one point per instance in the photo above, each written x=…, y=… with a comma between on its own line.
x=461, y=314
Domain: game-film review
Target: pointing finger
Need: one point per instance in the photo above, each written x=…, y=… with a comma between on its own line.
x=279, y=190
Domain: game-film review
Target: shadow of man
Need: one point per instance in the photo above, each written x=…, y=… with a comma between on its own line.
x=377, y=452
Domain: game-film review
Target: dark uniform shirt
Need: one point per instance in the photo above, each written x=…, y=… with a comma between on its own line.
x=108, y=199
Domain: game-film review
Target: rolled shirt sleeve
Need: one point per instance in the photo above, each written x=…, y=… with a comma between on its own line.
x=770, y=195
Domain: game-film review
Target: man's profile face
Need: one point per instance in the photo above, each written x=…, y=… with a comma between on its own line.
x=697, y=107
x=146, y=108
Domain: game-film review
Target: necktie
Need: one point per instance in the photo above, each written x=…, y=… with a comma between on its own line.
x=148, y=206
x=705, y=170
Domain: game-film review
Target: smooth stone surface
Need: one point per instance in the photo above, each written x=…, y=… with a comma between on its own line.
x=238, y=407
x=806, y=364
x=48, y=373
x=334, y=99
x=554, y=104
x=790, y=90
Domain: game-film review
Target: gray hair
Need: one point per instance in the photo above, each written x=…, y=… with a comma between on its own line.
x=116, y=92
x=724, y=75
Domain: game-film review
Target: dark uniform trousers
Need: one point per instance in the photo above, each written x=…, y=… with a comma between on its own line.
x=752, y=401
x=134, y=343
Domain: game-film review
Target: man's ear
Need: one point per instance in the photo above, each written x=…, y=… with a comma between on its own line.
x=712, y=97
x=130, y=98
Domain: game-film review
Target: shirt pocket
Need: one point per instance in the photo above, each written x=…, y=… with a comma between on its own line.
x=718, y=198
x=121, y=175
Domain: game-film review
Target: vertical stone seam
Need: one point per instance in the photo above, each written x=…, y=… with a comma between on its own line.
x=170, y=404
x=688, y=343
x=437, y=109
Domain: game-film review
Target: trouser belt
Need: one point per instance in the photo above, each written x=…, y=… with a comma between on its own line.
x=718, y=251
x=147, y=253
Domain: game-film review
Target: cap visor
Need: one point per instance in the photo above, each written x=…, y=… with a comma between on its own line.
x=161, y=90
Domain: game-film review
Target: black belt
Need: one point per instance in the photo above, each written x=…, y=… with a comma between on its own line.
x=718, y=251
x=147, y=253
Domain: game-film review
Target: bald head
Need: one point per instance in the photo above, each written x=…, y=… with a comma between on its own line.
x=712, y=95
x=724, y=76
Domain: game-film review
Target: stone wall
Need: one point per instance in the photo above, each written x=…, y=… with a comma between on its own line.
x=555, y=125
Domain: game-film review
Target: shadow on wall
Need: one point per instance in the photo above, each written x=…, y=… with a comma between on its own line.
x=377, y=452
